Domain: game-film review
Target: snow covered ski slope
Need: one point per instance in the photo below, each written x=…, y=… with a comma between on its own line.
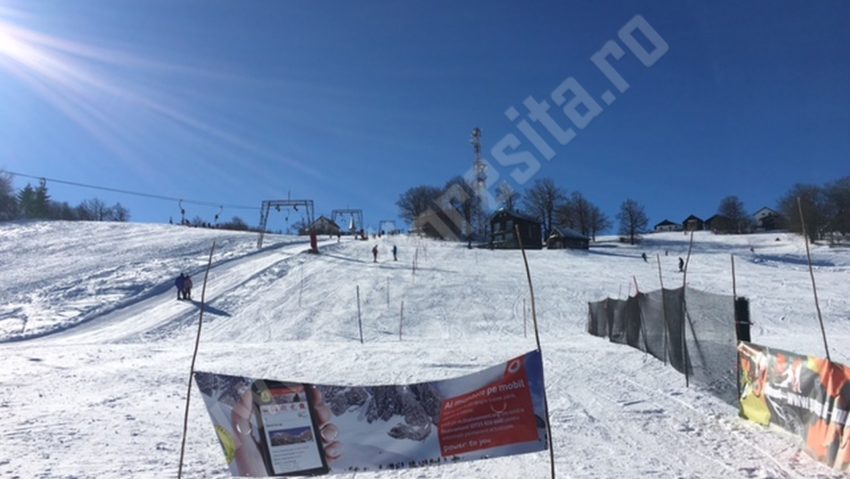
x=96, y=349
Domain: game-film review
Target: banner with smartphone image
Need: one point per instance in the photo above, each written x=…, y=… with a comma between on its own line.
x=277, y=428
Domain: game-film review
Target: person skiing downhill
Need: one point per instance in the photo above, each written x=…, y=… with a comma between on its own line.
x=681, y=264
x=643, y=255
x=375, y=254
x=179, y=283
x=395, y=253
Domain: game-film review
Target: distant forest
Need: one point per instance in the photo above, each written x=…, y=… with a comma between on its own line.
x=35, y=202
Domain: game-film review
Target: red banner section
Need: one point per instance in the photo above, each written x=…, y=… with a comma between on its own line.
x=498, y=414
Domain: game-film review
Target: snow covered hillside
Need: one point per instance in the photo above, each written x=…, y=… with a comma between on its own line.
x=96, y=349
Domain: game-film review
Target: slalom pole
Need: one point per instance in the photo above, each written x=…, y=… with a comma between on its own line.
x=663, y=310
x=192, y=367
x=524, y=320
x=359, y=322
x=401, y=320
x=686, y=359
x=812, y=274
x=537, y=339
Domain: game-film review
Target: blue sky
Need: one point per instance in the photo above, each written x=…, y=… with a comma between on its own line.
x=351, y=103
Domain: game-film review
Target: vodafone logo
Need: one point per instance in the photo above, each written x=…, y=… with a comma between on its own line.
x=514, y=366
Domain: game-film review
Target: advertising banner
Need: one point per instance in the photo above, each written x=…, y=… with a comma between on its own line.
x=806, y=395
x=278, y=428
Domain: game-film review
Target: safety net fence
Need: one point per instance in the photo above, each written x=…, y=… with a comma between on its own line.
x=694, y=331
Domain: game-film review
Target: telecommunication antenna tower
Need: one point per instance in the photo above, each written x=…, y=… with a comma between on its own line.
x=479, y=167
x=479, y=220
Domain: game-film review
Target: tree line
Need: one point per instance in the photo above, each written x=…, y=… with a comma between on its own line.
x=826, y=209
x=34, y=202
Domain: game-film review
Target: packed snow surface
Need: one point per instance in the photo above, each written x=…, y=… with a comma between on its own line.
x=96, y=348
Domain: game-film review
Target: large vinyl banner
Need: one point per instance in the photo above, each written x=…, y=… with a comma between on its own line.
x=274, y=428
x=805, y=395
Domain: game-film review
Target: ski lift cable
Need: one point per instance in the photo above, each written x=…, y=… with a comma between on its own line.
x=133, y=193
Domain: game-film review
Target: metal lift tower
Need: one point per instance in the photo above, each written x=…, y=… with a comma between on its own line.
x=267, y=205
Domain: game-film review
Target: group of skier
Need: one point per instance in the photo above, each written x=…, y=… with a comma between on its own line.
x=184, y=287
x=375, y=253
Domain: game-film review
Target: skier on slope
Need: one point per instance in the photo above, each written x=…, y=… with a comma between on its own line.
x=681, y=264
x=179, y=283
x=643, y=255
x=375, y=254
x=187, y=288
x=395, y=253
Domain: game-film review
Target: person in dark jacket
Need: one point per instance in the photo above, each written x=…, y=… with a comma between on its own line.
x=395, y=253
x=180, y=283
x=681, y=264
x=375, y=254
x=187, y=288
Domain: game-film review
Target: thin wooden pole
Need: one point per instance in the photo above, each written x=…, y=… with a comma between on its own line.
x=537, y=339
x=401, y=321
x=524, y=320
x=620, y=291
x=660, y=276
x=388, y=293
x=734, y=285
x=688, y=260
x=192, y=366
x=663, y=309
x=301, y=290
x=685, y=358
x=359, y=321
x=812, y=274
x=637, y=289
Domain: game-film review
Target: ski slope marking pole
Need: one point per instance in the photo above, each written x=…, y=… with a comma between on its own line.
x=388, y=293
x=359, y=322
x=537, y=338
x=524, y=321
x=401, y=321
x=663, y=311
x=192, y=367
x=812, y=274
x=637, y=290
x=301, y=290
x=688, y=261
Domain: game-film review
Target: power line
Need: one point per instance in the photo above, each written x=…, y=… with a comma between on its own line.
x=133, y=193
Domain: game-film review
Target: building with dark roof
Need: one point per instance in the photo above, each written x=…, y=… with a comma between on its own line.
x=566, y=238
x=503, y=226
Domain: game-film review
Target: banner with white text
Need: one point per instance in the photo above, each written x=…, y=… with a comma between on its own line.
x=277, y=428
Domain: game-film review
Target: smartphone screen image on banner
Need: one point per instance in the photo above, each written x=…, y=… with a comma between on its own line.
x=290, y=434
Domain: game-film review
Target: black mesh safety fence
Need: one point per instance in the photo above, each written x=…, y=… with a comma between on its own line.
x=674, y=317
x=695, y=331
x=597, y=318
x=653, y=327
x=617, y=333
x=711, y=343
x=633, y=322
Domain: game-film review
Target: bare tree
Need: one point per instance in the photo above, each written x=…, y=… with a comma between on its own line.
x=815, y=211
x=542, y=200
x=599, y=222
x=507, y=197
x=838, y=205
x=416, y=201
x=118, y=212
x=733, y=208
x=633, y=219
x=575, y=213
x=93, y=209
